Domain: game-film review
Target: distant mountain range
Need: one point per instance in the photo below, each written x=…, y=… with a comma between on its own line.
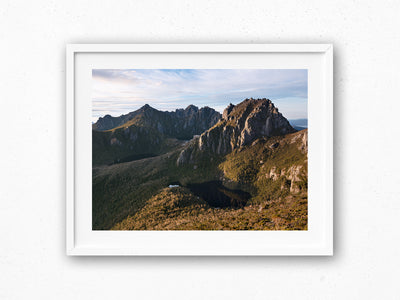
x=299, y=124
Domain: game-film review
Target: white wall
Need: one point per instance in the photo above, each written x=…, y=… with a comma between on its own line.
x=365, y=35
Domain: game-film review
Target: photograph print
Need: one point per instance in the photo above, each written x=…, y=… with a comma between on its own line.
x=199, y=149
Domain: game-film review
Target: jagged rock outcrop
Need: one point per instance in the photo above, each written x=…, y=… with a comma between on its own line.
x=240, y=125
x=227, y=111
x=302, y=139
x=294, y=174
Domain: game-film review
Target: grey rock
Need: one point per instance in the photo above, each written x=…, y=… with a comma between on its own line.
x=181, y=123
x=241, y=125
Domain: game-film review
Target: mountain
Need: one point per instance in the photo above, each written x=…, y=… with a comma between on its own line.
x=240, y=125
x=147, y=132
x=126, y=144
x=276, y=166
x=247, y=171
x=136, y=195
x=299, y=124
x=181, y=123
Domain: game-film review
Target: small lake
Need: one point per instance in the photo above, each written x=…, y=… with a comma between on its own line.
x=216, y=195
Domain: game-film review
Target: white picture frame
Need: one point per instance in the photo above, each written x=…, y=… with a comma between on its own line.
x=317, y=240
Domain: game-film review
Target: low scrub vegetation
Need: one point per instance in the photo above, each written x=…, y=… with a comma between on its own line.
x=179, y=209
x=135, y=195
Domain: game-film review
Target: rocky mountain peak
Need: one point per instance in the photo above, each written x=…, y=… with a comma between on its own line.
x=240, y=125
x=192, y=108
x=227, y=111
x=148, y=109
x=146, y=106
x=256, y=118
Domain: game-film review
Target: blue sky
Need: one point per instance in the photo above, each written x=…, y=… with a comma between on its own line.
x=119, y=91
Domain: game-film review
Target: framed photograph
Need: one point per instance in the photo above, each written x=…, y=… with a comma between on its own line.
x=199, y=149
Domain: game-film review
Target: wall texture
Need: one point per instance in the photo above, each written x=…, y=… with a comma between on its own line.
x=365, y=35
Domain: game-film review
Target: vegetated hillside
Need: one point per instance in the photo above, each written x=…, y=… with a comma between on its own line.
x=259, y=182
x=147, y=132
x=128, y=144
x=179, y=209
x=273, y=171
x=122, y=189
x=276, y=167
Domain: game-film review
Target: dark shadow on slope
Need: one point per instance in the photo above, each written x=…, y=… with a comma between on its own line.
x=216, y=195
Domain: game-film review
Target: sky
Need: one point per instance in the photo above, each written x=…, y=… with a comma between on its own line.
x=119, y=91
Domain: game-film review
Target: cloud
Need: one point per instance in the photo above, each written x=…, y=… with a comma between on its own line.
x=116, y=76
x=120, y=91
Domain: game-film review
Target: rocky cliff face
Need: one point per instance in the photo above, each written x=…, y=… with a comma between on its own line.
x=276, y=166
x=147, y=132
x=295, y=174
x=240, y=125
x=181, y=123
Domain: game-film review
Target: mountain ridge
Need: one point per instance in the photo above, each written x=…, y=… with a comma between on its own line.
x=108, y=122
x=240, y=125
x=147, y=132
